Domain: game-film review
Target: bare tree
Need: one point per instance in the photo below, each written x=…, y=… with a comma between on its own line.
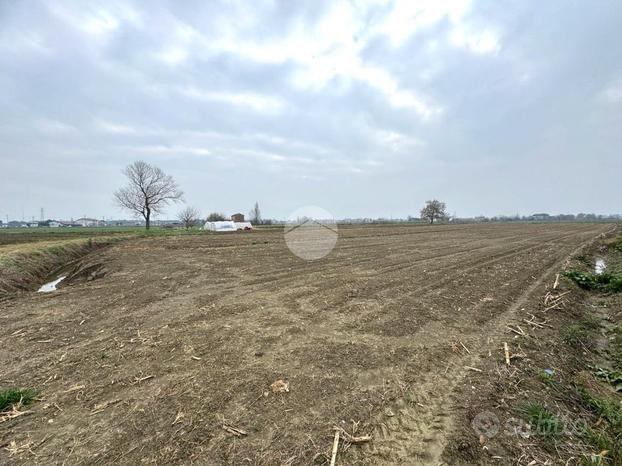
x=255, y=214
x=433, y=210
x=149, y=191
x=216, y=217
x=188, y=217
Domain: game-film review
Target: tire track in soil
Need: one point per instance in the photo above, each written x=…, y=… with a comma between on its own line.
x=383, y=290
x=418, y=432
x=282, y=279
x=290, y=276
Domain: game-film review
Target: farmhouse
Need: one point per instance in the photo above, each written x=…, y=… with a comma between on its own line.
x=237, y=218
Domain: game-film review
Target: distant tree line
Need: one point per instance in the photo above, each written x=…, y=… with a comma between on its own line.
x=543, y=217
x=149, y=191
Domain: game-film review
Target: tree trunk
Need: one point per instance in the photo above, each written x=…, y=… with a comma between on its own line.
x=148, y=219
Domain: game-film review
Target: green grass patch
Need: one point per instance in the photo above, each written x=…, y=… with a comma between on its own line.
x=13, y=396
x=615, y=348
x=34, y=235
x=583, y=258
x=606, y=434
x=542, y=421
x=8, y=262
x=603, y=443
x=606, y=281
x=576, y=335
x=613, y=378
x=547, y=378
x=608, y=410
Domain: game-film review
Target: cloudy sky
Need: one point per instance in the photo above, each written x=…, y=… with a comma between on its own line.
x=365, y=108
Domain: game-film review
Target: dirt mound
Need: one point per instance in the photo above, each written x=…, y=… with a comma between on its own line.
x=86, y=271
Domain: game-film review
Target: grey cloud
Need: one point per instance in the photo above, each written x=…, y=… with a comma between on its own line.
x=498, y=109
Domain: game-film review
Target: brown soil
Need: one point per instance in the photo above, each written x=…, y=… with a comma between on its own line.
x=573, y=334
x=185, y=335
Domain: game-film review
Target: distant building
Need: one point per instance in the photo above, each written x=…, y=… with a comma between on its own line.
x=237, y=218
x=33, y=224
x=51, y=223
x=541, y=217
x=90, y=222
x=124, y=223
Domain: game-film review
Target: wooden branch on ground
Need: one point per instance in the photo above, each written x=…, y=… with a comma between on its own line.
x=550, y=297
x=138, y=380
x=533, y=322
x=15, y=412
x=506, y=350
x=473, y=368
x=352, y=439
x=520, y=331
x=554, y=305
x=333, y=458
x=234, y=430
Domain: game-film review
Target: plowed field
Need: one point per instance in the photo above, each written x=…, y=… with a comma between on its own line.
x=169, y=356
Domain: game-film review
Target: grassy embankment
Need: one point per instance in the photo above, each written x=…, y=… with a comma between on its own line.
x=29, y=256
x=584, y=387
